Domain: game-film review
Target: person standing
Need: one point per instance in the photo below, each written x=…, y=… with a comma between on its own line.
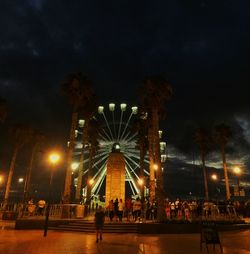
x=99, y=222
x=120, y=210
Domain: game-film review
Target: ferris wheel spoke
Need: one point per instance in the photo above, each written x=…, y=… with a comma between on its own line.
x=146, y=172
x=133, y=155
x=132, y=170
x=134, y=162
x=102, y=175
x=133, y=181
x=100, y=160
x=104, y=138
x=103, y=152
x=132, y=137
x=120, y=124
x=100, y=168
x=125, y=138
x=106, y=121
x=107, y=135
x=114, y=125
x=126, y=126
x=101, y=181
x=129, y=181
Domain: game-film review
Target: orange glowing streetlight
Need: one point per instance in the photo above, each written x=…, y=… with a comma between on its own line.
x=1, y=179
x=214, y=177
x=155, y=167
x=91, y=181
x=237, y=170
x=54, y=158
x=140, y=181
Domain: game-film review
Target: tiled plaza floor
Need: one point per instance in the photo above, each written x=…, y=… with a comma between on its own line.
x=33, y=242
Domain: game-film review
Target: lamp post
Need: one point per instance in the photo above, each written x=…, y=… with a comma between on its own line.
x=53, y=160
x=237, y=172
x=214, y=178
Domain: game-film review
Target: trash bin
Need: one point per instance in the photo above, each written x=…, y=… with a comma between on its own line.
x=79, y=211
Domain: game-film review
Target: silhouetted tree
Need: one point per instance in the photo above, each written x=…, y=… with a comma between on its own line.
x=73, y=88
x=93, y=132
x=37, y=140
x=141, y=126
x=203, y=139
x=20, y=135
x=86, y=111
x=154, y=94
x=222, y=134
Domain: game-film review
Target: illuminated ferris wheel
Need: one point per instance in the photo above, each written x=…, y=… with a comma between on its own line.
x=116, y=129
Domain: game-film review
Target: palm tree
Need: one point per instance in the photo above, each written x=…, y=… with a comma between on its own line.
x=86, y=111
x=222, y=133
x=3, y=110
x=20, y=134
x=141, y=126
x=203, y=139
x=73, y=89
x=37, y=141
x=93, y=131
x=155, y=92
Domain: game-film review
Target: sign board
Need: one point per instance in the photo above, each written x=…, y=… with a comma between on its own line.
x=209, y=235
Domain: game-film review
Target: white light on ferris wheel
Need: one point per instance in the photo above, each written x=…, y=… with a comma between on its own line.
x=100, y=109
x=134, y=110
x=163, y=146
x=111, y=106
x=81, y=123
x=160, y=133
x=123, y=106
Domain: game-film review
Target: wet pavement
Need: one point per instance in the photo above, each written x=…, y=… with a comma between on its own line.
x=32, y=242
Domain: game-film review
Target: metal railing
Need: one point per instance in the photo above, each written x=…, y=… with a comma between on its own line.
x=56, y=211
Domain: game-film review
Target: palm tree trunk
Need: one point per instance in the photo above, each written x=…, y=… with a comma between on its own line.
x=78, y=194
x=89, y=186
x=11, y=171
x=142, y=155
x=204, y=175
x=67, y=186
x=161, y=215
x=81, y=164
x=28, y=174
x=151, y=165
x=225, y=172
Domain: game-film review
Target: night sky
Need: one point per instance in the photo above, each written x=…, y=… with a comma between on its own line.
x=200, y=46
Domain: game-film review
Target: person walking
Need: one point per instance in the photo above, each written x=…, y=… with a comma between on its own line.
x=99, y=222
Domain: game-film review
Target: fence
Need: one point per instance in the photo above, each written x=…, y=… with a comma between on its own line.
x=67, y=211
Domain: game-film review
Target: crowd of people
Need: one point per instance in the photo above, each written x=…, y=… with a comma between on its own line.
x=36, y=208
x=137, y=210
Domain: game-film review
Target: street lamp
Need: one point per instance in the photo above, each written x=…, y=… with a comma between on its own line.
x=53, y=158
x=237, y=172
x=20, y=180
x=214, y=177
x=74, y=166
x=91, y=181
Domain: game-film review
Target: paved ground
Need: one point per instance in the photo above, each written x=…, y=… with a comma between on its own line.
x=33, y=242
